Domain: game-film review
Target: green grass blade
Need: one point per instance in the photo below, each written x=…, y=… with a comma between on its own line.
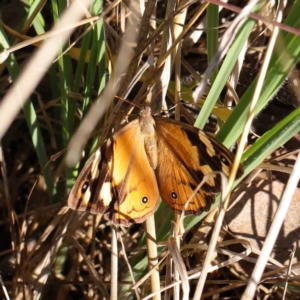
x=282, y=62
x=224, y=72
x=32, y=121
x=212, y=34
x=271, y=140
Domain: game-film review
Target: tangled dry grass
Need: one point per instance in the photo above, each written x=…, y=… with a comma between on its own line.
x=58, y=97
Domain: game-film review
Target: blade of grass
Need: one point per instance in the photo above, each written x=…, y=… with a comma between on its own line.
x=212, y=21
x=97, y=59
x=285, y=57
x=34, y=17
x=273, y=232
x=68, y=106
x=152, y=256
x=271, y=140
x=32, y=121
x=227, y=66
x=95, y=40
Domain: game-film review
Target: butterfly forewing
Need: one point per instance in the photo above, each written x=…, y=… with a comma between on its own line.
x=118, y=180
x=93, y=186
x=186, y=155
x=134, y=185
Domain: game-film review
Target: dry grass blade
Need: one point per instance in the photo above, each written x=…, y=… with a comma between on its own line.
x=114, y=264
x=140, y=41
x=37, y=65
x=36, y=41
x=267, y=20
x=274, y=230
x=158, y=51
x=186, y=28
x=15, y=235
x=42, y=270
x=58, y=220
x=194, y=274
x=180, y=266
x=4, y=289
x=145, y=277
x=222, y=49
x=213, y=242
x=129, y=268
x=162, y=79
x=98, y=108
x=153, y=256
x=288, y=273
x=94, y=275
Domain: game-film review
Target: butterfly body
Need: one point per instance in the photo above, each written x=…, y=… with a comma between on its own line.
x=148, y=158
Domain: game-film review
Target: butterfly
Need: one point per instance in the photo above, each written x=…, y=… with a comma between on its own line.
x=149, y=158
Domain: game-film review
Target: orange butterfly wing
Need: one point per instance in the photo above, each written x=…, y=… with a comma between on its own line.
x=120, y=179
x=186, y=155
x=85, y=193
x=123, y=183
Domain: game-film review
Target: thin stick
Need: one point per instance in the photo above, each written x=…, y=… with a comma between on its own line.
x=273, y=231
x=152, y=256
x=114, y=264
x=4, y=289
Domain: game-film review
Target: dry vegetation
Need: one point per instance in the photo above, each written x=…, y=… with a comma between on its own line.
x=50, y=252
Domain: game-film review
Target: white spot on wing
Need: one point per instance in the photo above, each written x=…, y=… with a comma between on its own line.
x=86, y=197
x=95, y=164
x=105, y=193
